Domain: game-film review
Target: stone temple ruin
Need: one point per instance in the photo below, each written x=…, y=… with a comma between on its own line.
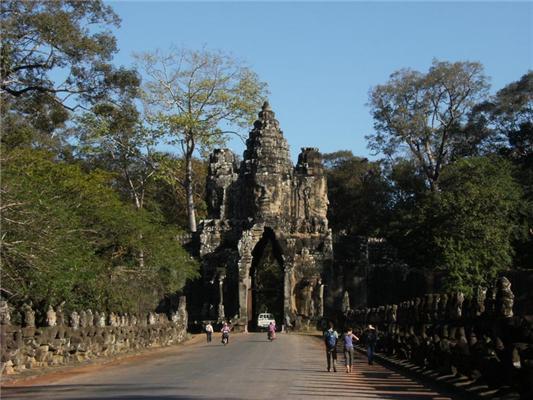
x=266, y=244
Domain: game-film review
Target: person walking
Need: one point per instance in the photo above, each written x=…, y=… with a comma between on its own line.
x=371, y=338
x=349, y=337
x=330, y=338
x=209, y=331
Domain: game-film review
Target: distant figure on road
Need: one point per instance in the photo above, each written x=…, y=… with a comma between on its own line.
x=288, y=324
x=330, y=338
x=349, y=337
x=209, y=331
x=225, y=333
x=271, y=331
x=370, y=338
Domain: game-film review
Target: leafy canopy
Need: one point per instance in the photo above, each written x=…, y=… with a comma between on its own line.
x=68, y=236
x=422, y=115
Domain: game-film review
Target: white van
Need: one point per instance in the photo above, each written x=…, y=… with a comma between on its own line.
x=264, y=319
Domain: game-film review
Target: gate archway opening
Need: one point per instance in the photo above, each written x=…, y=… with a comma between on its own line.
x=267, y=275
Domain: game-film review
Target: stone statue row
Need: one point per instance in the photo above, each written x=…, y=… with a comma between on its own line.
x=86, y=318
x=496, y=301
x=478, y=337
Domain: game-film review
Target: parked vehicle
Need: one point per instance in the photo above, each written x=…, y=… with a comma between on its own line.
x=264, y=320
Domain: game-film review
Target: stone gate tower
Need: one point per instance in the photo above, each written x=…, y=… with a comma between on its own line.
x=265, y=202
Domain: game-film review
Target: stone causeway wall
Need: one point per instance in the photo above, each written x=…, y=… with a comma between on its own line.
x=479, y=339
x=82, y=336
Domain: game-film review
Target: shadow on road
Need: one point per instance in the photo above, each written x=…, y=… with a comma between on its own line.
x=364, y=382
x=110, y=391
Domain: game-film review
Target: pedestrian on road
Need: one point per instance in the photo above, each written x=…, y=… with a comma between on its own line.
x=370, y=338
x=349, y=338
x=209, y=331
x=330, y=338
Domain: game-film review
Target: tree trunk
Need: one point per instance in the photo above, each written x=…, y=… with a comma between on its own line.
x=189, y=189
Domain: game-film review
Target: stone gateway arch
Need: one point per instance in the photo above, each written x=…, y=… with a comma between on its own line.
x=267, y=244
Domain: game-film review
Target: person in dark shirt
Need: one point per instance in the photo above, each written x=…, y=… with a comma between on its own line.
x=330, y=338
x=370, y=339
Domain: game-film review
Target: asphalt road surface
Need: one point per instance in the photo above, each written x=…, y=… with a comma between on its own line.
x=249, y=367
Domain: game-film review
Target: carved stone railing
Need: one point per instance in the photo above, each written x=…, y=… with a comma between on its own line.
x=477, y=337
x=82, y=336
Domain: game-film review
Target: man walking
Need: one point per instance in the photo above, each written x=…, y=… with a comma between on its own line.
x=330, y=338
x=371, y=339
x=209, y=331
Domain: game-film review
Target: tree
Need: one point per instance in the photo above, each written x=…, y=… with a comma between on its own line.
x=424, y=114
x=476, y=215
x=508, y=117
x=55, y=56
x=66, y=235
x=115, y=136
x=412, y=222
x=195, y=98
x=168, y=193
x=359, y=183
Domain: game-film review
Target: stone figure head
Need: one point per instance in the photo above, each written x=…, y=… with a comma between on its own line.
x=5, y=313
x=481, y=294
x=504, y=298
x=29, y=315
x=51, y=317
x=74, y=320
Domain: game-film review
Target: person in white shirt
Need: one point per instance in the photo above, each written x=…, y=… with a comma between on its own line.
x=209, y=331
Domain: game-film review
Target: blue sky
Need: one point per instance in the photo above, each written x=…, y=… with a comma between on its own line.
x=321, y=58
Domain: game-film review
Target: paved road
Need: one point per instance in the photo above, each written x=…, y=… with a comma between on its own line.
x=250, y=367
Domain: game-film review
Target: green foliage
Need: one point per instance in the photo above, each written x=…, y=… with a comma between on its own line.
x=422, y=116
x=508, y=120
x=167, y=191
x=66, y=235
x=412, y=222
x=55, y=55
x=477, y=211
x=359, y=183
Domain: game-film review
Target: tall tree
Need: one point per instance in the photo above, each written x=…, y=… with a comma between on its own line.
x=196, y=98
x=116, y=136
x=66, y=235
x=508, y=118
x=55, y=56
x=424, y=114
x=476, y=220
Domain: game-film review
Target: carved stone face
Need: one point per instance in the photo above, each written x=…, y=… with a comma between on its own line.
x=51, y=317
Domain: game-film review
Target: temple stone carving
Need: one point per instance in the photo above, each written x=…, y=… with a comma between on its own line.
x=5, y=313
x=29, y=315
x=74, y=320
x=267, y=242
x=51, y=317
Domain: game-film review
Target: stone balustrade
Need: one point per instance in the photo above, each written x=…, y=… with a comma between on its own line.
x=477, y=337
x=82, y=335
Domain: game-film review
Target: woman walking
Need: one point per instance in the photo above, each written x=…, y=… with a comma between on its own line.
x=349, y=338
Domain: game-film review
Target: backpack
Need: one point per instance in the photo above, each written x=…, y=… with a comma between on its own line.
x=331, y=340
